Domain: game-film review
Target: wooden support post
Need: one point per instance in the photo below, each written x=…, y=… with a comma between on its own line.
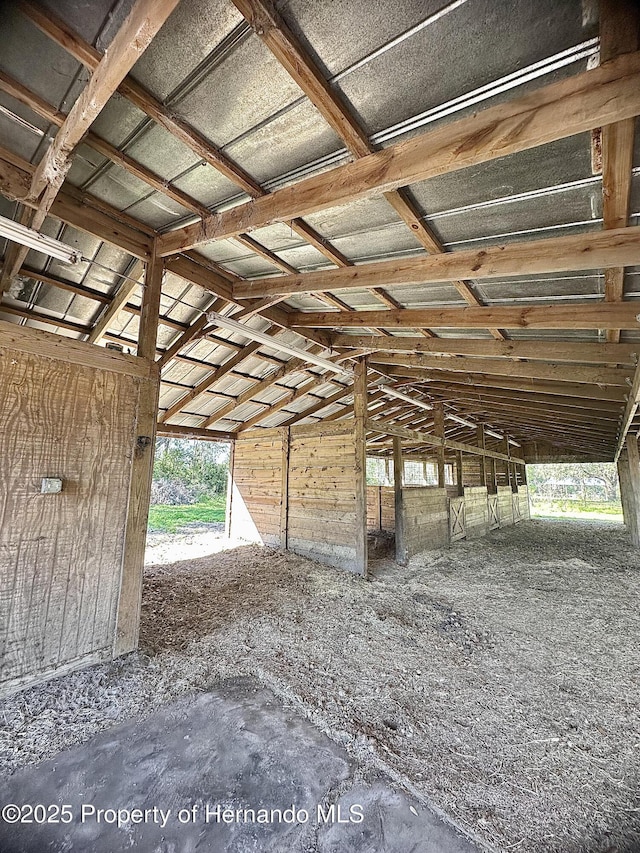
x=631, y=483
x=387, y=471
x=507, y=452
x=483, y=459
x=128, y=615
x=360, y=468
x=229, y=503
x=401, y=548
x=438, y=413
x=459, y=473
x=493, y=471
x=284, y=500
x=625, y=486
x=424, y=471
x=379, y=508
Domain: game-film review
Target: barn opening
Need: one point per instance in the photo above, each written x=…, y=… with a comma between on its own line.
x=389, y=258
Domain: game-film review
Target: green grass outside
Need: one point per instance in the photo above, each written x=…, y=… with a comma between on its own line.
x=167, y=519
x=596, y=511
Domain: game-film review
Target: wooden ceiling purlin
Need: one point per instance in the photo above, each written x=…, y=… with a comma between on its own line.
x=614, y=394
x=129, y=43
x=294, y=365
x=577, y=104
x=492, y=408
x=90, y=57
x=466, y=395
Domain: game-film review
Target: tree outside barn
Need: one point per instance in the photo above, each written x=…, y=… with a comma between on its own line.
x=573, y=489
x=189, y=483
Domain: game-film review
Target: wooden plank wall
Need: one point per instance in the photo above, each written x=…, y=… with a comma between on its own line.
x=523, y=496
x=471, y=470
x=476, y=511
x=321, y=516
x=505, y=505
x=296, y=489
x=61, y=554
x=256, y=495
x=426, y=518
x=381, y=512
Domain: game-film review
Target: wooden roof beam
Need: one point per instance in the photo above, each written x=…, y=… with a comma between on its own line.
x=591, y=250
x=174, y=431
x=436, y=441
x=505, y=367
x=127, y=288
x=80, y=210
x=145, y=101
x=132, y=39
x=581, y=315
x=600, y=96
x=480, y=380
x=217, y=372
x=58, y=31
x=545, y=350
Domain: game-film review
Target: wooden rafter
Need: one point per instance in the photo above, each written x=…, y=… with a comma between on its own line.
x=78, y=209
x=119, y=301
x=215, y=375
x=134, y=36
x=590, y=99
x=581, y=315
x=145, y=101
x=294, y=365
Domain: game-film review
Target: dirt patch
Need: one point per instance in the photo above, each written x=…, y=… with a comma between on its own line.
x=497, y=678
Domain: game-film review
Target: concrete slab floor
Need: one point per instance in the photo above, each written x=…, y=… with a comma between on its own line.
x=183, y=778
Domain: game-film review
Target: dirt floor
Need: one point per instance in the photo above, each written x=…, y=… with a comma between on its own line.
x=497, y=679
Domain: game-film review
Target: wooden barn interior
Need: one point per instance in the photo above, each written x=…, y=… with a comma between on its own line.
x=325, y=234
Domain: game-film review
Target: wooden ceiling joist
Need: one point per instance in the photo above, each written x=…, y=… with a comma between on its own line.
x=174, y=431
x=145, y=101
x=590, y=353
x=436, y=441
x=481, y=380
x=294, y=365
x=592, y=250
x=593, y=98
x=503, y=367
x=581, y=315
x=126, y=291
x=77, y=209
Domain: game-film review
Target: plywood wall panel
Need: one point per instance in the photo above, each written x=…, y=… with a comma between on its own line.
x=61, y=554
